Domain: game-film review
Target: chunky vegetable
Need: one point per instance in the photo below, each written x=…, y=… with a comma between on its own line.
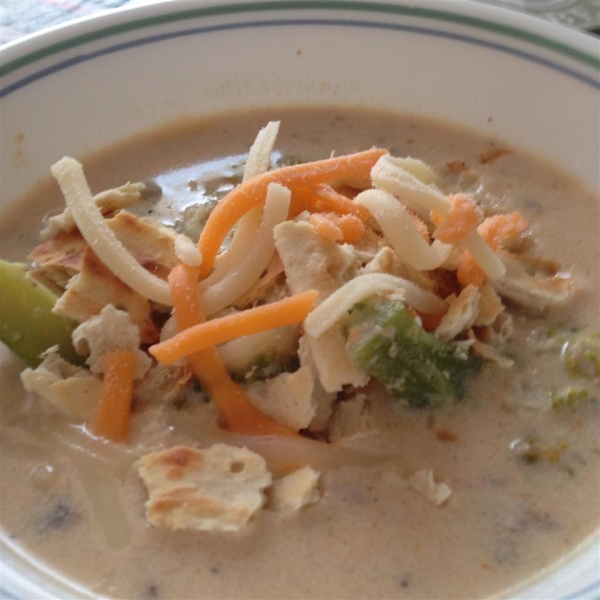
x=27, y=324
x=385, y=340
x=231, y=400
x=252, y=193
x=112, y=420
x=288, y=311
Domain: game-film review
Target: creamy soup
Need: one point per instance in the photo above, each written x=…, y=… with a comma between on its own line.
x=519, y=454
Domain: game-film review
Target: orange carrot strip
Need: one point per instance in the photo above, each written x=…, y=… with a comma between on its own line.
x=352, y=228
x=299, y=201
x=251, y=193
x=327, y=226
x=497, y=229
x=431, y=322
x=462, y=219
x=469, y=272
x=288, y=311
x=231, y=400
x=112, y=418
x=326, y=199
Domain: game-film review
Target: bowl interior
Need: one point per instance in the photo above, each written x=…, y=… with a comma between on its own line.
x=91, y=83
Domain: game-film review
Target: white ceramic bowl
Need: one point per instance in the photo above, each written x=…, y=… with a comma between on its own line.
x=75, y=88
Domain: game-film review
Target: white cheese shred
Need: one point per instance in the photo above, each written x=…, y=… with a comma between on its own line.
x=186, y=251
x=414, y=186
x=339, y=304
x=390, y=175
x=484, y=256
x=257, y=258
x=402, y=233
x=100, y=237
x=246, y=229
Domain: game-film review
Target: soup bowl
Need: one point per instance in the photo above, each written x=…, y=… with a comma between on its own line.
x=89, y=84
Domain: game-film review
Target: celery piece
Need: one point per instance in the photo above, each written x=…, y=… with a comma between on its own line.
x=412, y=364
x=27, y=325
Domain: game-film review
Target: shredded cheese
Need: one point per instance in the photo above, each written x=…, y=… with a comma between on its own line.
x=100, y=237
x=401, y=231
x=338, y=304
x=390, y=175
x=257, y=257
x=186, y=251
x=246, y=229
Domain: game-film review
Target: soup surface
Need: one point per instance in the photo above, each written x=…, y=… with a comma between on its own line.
x=520, y=453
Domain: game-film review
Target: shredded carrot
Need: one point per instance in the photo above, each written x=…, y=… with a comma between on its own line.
x=251, y=193
x=431, y=322
x=469, y=272
x=231, y=400
x=498, y=229
x=288, y=311
x=462, y=219
x=495, y=231
x=299, y=201
x=326, y=199
x=326, y=225
x=323, y=198
x=112, y=418
x=352, y=228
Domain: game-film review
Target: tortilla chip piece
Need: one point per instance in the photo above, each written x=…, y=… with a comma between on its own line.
x=108, y=201
x=217, y=489
x=71, y=390
x=149, y=242
x=292, y=492
x=461, y=315
x=110, y=331
x=289, y=398
x=424, y=484
x=94, y=287
x=60, y=257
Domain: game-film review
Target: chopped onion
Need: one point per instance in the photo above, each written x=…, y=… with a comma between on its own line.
x=338, y=304
x=101, y=238
x=91, y=453
x=107, y=506
x=280, y=453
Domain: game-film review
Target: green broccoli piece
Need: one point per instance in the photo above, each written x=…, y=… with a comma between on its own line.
x=412, y=364
x=27, y=324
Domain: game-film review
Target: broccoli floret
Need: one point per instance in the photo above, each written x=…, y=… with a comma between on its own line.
x=413, y=365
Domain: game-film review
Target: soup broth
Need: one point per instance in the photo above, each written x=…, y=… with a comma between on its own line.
x=521, y=460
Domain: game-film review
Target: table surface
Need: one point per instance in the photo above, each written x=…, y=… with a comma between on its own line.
x=21, y=17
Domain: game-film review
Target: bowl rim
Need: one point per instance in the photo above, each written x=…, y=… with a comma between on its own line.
x=573, y=46
x=577, y=45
